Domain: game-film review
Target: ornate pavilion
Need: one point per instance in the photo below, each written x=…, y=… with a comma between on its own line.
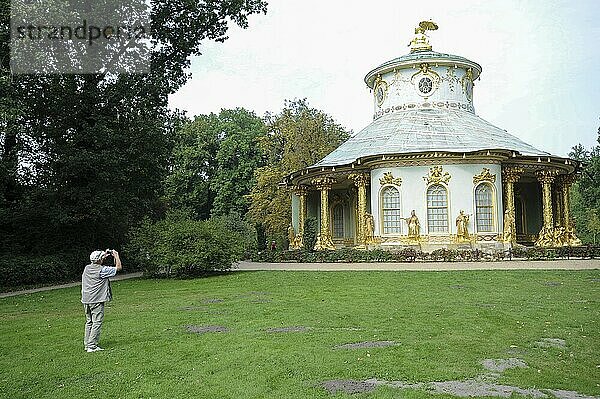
x=429, y=173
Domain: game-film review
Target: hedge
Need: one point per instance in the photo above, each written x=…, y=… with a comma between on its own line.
x=23, y=270
x=411, y=255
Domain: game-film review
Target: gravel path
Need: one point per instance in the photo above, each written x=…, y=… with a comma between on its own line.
x=573, y=264
x=74, y=284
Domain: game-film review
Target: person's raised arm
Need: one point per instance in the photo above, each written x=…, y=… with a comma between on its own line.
x=117, y=260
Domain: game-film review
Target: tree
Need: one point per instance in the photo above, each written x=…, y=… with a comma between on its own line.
x=297, y=137
x=213, y=163
x=92, y=150
x=193, y=164
x=586, y=192
x=237, y=158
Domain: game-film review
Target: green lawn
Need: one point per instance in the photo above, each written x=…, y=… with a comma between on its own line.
x=444, y=323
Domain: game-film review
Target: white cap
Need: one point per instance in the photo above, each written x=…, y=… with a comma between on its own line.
x=96, y=256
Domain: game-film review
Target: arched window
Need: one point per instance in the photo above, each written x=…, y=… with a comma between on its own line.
x=338, y=221
x=437, y=209
x=392, y=220
x=484, y=208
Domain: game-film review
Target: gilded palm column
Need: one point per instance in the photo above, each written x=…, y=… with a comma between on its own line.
x=360, y=181
x=546, y=237
x=301, y=192
x=569, y=237
x=324, y=241
x=510, y=175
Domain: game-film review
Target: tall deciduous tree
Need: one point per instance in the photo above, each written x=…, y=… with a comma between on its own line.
x=93, y=149
x=297, y=137
x=237, y=158
x=586, y=192
x=214, y=162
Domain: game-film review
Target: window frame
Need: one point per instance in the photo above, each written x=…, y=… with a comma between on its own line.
x=382, y=190
x=447, y=191
x=493, y=206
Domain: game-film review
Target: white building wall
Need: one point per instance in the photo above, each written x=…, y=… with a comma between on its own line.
x=413, y=190
x=402, y=88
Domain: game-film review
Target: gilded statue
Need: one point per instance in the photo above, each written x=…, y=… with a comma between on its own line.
x=369, y=229
x=462, y=230
x=420, y=42
x=509, y=234
x=296, y=241
x=413, y=226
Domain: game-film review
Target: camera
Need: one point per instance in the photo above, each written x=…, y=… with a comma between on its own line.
x=109, y=259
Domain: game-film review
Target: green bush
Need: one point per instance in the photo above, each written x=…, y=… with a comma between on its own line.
x=310, y=233
x=181, y=247
x=41, y=269
x=410, y=255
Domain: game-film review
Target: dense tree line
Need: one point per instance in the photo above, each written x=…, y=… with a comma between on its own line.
x=83, y=157
x=586, y=193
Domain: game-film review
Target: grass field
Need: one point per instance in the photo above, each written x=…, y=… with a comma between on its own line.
x=443, y=325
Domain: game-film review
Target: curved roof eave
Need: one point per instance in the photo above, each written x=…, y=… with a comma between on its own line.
x=426, y=130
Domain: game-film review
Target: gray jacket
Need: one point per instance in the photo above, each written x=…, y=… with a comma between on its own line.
x=94, y=288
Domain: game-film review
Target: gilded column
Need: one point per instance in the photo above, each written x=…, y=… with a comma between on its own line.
x=360, y=181
x=568, y=233
x=301, y=192
x=324, y=241
x=510, y=175
x=546, y=237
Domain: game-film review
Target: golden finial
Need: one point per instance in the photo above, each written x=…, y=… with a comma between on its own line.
x=420, y=42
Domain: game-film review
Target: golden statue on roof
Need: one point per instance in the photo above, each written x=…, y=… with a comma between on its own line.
x=421, y=42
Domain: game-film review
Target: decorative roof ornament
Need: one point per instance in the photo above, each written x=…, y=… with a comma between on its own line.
x=388, y=178
x=485, y=175
x=437, y=175
x=421, y=42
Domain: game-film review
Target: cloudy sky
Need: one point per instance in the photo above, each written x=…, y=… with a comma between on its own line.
x=540, y=59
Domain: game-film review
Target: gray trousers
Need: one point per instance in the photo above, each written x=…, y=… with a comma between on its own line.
x=94, y=314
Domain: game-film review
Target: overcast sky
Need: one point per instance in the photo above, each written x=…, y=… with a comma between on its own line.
x=540, y=60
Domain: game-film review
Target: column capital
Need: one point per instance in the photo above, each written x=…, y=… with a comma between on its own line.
x=566, y=180
x=299, y=190
x=511, y=174
x=359, y=179
x=546, y=175
x=323, y=183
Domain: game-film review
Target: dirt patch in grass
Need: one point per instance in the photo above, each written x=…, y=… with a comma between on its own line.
x=515, y=350
x=458, y=287
x=472, y=388
x=206, y=329
x=552, y=283
x=261, y=301
x=366, y=344
x=198, y=308
x=499, y=365
x=561, y=394
x=260, y=293
x=551, y=343
x=348, y=386
x=287, y=329
x=204, y=309
x=464, y=389
x=213, y=300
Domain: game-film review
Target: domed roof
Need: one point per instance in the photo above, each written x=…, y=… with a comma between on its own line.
x=426, y=130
